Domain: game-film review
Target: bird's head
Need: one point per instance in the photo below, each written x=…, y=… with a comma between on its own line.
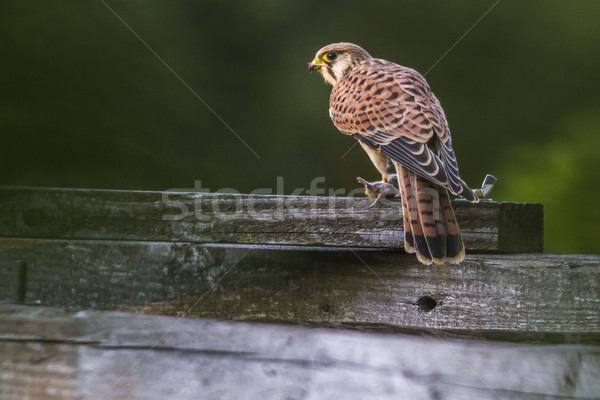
x=334, y=61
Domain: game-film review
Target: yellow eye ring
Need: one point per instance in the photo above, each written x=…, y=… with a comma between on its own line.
x=329, y=56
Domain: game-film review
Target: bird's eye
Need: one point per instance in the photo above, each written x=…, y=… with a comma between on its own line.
x=330, y=56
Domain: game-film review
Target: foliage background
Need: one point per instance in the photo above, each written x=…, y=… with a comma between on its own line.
x=84, y=103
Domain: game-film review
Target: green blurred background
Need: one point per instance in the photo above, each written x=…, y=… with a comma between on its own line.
x=84, y=103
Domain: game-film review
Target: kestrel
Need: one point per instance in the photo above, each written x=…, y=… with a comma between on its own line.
x=394, y=115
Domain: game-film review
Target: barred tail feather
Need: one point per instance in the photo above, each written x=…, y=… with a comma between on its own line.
x=430, y=226
x=407, y=195
x=455, y=248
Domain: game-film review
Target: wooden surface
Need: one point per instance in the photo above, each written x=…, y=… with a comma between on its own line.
x=529, y=297
x=327, y=263
x=250, y=219
x=55, y=354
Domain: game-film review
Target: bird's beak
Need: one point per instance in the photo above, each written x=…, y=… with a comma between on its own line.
x=315, y=65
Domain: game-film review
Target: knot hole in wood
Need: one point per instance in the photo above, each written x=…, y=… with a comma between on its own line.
x=426, y=303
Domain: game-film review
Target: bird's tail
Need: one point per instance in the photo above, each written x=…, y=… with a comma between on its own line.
x=430, y=227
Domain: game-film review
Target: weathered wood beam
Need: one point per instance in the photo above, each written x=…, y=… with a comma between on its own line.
x=250, y=219
x=530, y=297
x=57, y=354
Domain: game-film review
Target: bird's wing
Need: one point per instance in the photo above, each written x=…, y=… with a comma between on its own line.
x=392, y=109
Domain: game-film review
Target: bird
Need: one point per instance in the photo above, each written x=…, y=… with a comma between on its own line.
x=392, y=112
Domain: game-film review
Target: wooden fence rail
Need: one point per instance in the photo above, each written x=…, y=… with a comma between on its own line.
x=250, y=219
x=54, y=354
x=511, y=296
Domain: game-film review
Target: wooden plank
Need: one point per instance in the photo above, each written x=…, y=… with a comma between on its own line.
x=62, y=354
x=530, y=297
x=250, y=219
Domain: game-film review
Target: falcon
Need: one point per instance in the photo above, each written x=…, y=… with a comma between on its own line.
x=394, y=115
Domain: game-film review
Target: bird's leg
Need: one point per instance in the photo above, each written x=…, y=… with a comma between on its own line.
x=384, y=179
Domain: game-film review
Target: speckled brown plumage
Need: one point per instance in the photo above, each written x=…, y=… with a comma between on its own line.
x=392, y=112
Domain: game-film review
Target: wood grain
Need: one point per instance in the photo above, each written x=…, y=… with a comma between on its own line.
x=532, y=297
x=250, y=219
x=56, y=354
